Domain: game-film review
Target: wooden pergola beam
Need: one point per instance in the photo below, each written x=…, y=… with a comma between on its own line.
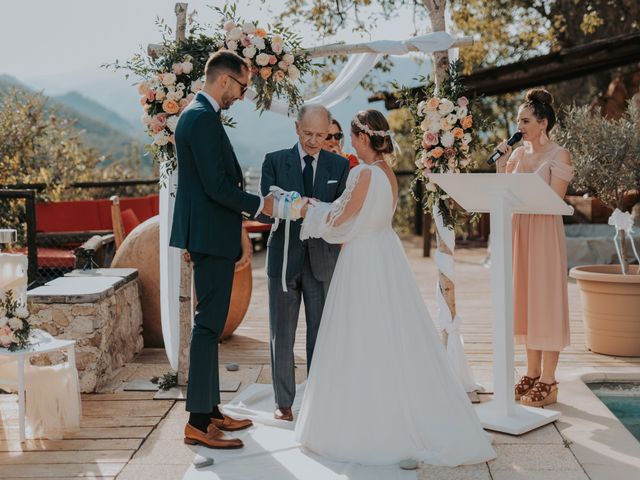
x=567, y=64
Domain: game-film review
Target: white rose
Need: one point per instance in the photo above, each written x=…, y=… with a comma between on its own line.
x=431, y=187
x=433, y=117
x=187, y=67
x=161, y=138
x=446, y=106
x=180, y=86
x=229, y=25
x=160, y=94
x=146, y=120
x=288, y=58
x=262, y=59
x=461, y=112
x=447, y=139
x=277, y=39
x=294, y=73
x=421, y=106
x=452, y=119
x=466, y=138
x=22, y=312
x=277, y=47
x=197, y=85
x=258, y=42
x=249, y=52
x=232, y=45
x=234, y=34
x=175, y=96
x=172, y=121
x=249, y=28
x=3, y=321
x=282, y=65
x=15, y=323
x=168, y=79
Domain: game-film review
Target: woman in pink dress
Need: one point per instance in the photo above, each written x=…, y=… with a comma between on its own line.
x=540, y=303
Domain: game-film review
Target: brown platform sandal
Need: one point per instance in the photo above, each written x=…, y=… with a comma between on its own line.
x=524, y=385
x=541, y=394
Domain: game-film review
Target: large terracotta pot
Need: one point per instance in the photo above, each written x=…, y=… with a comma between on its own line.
x=611, y=304
x=140, y=250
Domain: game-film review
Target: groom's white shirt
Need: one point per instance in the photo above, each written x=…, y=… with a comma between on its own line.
x=216, y=108
x=303, y=154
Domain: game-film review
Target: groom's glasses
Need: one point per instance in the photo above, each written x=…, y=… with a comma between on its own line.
x=243, y=86
x=336, y=136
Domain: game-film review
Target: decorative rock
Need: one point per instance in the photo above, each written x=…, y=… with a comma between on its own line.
x=232, y=367
x=408, y=464
x=200, y=462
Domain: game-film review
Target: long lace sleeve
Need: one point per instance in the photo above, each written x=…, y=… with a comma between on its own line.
x=335, y=222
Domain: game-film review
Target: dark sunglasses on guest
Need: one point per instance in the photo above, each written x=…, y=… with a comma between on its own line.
x=337, y=136
x=243, y=86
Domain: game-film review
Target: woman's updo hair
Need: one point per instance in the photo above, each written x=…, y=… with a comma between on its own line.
x=541, y=104
x=375, y=126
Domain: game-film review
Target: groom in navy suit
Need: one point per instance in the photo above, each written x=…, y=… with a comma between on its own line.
x=207, y=222
x=314, y=173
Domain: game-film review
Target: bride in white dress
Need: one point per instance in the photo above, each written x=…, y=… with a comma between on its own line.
x=381, y=389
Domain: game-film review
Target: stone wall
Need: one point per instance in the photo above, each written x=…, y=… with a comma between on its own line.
x=105, y=320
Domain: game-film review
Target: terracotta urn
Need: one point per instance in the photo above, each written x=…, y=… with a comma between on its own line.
x=611, y=304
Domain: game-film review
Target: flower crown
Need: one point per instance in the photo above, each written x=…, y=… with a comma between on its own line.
x=368, y=131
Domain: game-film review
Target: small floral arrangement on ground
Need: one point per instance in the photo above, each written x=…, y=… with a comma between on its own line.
x=443, y=130
x=167, y=381
x=170, y=80
x=14, y=325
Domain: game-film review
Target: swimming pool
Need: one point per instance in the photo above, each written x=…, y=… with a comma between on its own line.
x=623, y=399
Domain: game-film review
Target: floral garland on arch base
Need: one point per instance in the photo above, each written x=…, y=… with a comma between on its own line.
x=444, y=133
x=170, y=81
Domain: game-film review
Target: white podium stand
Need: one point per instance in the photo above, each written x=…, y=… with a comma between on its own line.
x=502, y=195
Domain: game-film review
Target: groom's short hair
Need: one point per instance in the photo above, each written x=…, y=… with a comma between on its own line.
x=223, y=62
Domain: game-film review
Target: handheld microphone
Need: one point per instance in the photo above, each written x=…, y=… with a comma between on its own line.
x=515, y=138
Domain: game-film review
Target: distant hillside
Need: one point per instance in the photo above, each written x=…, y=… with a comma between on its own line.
x=102, y=129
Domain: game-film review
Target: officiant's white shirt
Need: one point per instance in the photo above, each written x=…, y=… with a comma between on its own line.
x=216, y=107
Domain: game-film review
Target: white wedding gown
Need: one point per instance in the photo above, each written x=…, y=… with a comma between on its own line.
x=380, y=389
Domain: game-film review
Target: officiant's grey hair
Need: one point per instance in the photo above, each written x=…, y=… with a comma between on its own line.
x=313, y=108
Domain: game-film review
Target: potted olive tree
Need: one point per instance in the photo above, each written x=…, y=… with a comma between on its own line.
x=606, y=156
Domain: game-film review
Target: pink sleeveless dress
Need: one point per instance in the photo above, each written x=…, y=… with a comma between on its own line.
x=540, y=301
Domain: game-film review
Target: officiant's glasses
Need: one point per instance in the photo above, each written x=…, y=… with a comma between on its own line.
x=336, y=136
x=243, y=86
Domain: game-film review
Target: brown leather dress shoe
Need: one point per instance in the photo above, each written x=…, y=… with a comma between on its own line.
x=214, y=438
x=229, y=424
x=283, y=413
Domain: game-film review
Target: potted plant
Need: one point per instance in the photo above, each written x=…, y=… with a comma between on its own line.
x=606, y=156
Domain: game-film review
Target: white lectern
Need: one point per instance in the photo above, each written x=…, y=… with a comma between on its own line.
x=502, y=195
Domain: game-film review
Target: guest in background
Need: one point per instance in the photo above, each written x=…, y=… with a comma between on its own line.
x=540, y=302
x=335, y=143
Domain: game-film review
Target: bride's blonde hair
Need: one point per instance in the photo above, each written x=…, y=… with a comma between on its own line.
x=373, y=124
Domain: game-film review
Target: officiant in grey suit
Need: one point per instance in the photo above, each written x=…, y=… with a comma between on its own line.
x=314, y=173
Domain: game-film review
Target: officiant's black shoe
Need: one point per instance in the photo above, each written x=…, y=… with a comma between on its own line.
x=214, y=438
x=283, y=413
x=229, y=424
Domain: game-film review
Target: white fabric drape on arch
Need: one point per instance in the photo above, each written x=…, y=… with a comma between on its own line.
x=345, y=83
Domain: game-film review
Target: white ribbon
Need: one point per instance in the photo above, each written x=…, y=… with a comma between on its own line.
x=455, y=342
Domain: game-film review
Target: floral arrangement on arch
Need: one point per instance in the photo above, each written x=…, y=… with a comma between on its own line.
x=443, y=130
x=170, y=81
x=14, y=325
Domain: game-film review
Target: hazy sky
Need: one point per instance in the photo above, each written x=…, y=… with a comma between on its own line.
x=53, y=38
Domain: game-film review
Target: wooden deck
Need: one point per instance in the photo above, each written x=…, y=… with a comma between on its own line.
x=130, y=436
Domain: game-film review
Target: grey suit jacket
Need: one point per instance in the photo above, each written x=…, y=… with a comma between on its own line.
x=283, y=169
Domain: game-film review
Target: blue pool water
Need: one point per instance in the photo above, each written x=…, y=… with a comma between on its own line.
x=623, y=399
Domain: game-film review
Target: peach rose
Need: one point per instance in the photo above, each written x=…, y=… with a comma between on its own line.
x=143, y=100
x=445, y=125
x=278, y=75
x=261, y=32
x=265, y=72
x=170, y=106
x=437, y=152
x=458, y=133
x=466, y=122
x=433, y=103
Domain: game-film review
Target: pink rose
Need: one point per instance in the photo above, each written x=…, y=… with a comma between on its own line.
x=177, y=68
x=245, y=41
x=272, y=60
x=429, y=139
x=463, y=101
x=151, y=96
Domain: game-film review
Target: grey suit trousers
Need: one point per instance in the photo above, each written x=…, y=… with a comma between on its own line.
x=284, y=308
